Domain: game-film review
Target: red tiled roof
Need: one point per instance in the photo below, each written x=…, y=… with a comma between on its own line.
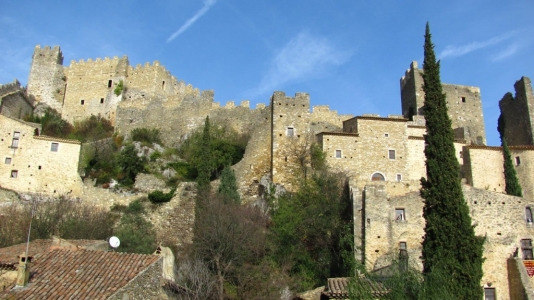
x=337, y=288
x=37, y=248
x=81, y=274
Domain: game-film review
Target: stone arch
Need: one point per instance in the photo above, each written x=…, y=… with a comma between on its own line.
x=378, y=176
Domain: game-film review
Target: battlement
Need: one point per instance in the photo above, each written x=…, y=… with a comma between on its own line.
x=98, y=60
x=408, y=73
x=10, y=87
x=48, y=54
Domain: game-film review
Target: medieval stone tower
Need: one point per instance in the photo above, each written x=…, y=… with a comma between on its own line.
x=290, y=134
x=463, y=103
x=518, y=114
x=47, y=82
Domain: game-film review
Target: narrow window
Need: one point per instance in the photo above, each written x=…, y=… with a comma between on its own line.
x=8, y=161
x=391, y=154
x=528, y=214
x=290, y=131
x=14, y=173
x=517, y=161
x=338, y=153
x=386, y=134
x=403, y=257
x=101, y=100
x=463, y=99
x=110, y=83
x=163, y=85
x=399, y=214
x=489, y=294
x=15, y=142
x=399, y=177
x=39, y=167
x=54, y=147
x=82, y=102
x=526, y=248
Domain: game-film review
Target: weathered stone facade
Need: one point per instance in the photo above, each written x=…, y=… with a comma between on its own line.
x=518, y=114
x=14, y=101
x=37, y=164
x=500, y=218
x=463, y=102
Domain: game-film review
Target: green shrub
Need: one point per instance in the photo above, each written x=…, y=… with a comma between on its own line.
x=161, y=197
x=135, y=207
x=154, y=156
x=147, y=136
x=119, y=88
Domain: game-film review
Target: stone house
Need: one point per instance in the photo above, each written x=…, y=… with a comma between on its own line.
x=34, y=163
x=79, y=269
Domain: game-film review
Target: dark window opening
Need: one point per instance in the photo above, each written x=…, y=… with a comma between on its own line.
x=528, y=214
x=101, y=100
x=39, y=167
x=526, y=248
x=399, y=177
x=163, y=85
x=391, y=154
x=8, y=161
x=14, y=173
x=82, y=102
x=110, y=83
x=399, y=214
x=489, y=294
x=463, y=99
x=517, y=161
x=338, y=153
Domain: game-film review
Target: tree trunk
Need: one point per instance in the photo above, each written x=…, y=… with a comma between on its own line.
x=220, y=278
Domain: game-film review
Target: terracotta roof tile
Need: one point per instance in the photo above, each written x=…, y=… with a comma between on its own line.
x=87, y=274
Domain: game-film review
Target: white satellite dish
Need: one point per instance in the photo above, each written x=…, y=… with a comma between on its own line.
x=114, y=242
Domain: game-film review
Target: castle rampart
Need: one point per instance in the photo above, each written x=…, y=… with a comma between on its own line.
x=518, y=113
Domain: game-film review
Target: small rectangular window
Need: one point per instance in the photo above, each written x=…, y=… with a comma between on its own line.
x=82, y=102
x=526, y=248
x=290, y=131
x=15, y=141
x=101, y=100
x=528, y=214
x=8, y=161
x=54, y=147
x=110, y=83
x=463, y=99
x=399, y=177
x=14, y=173
x=403, y=257
x=338, y=153
x=517, y=161
x=489, y=294
x=399, y=214
x=391, y=154
x=386, y=134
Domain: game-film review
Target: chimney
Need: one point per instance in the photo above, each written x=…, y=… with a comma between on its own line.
x=23, y=270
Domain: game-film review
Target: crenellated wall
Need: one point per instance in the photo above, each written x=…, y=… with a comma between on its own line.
x=518, y=114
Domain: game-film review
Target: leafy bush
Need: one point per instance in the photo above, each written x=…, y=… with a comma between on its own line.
x=161, y=197
x=130, y=163
x=92, y=129
x=155, y=155
x=119, y=88
x=146, y=136
x=52, y=123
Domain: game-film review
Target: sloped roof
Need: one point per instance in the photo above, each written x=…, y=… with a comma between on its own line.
x=81, y=274
x=338, y=288
x=39, y=247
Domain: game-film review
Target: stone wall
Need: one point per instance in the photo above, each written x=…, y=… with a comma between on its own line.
x=37, y=164
x=13, y=101
x=463, y=102
x=518, y=114
x=47, y=81
x=500, y=218
x=146, y=285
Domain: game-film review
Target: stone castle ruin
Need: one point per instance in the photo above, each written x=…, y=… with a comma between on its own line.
x=382, y=156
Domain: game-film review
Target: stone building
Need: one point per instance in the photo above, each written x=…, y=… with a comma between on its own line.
x=35, y=163
x=14, y=101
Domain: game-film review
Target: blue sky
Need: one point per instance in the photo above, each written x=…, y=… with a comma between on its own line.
x=348, y=54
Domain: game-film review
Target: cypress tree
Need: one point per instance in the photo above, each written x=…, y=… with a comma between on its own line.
x=510, y=176
x=228, y=186
x=205, y=163
x=450, y=247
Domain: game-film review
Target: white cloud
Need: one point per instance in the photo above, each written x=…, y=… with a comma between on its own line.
x=452, y=51
x=207, y=5
x=303, y=57
x=509, y=51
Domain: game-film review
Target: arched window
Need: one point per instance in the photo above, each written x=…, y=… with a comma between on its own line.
x=528, y=214
x=377, y=177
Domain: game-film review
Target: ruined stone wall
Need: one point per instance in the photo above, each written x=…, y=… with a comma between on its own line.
x=463, y=102
x=290, y=136
x=152, y=80
x=90, y=88
x=324, y=119
x=499, y=217
x=13, y=101
x=47, y=80
x=33, y=165
x=518, y=114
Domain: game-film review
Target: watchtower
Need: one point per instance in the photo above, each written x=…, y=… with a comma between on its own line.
x=518, y=114
x=46, y=81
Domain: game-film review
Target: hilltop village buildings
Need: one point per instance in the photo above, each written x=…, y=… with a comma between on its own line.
x=382, y=156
